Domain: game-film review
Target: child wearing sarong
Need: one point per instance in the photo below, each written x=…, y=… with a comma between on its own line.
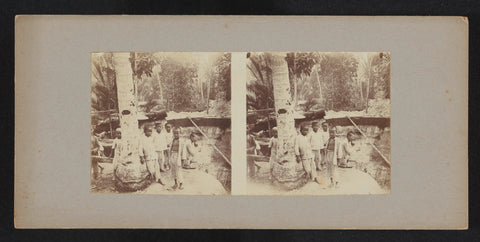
x=177, y=149
x=331, y=156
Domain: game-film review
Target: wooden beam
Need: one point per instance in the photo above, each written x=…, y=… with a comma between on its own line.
x=373, y=145
x=213, y=145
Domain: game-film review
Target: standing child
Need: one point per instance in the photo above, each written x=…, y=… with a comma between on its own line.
x=148, y=154
x=331, y=156
x=273, y=146
x=176, y=151
x=96, y=150
x=160, y=145
x=253, y=148
x=168, y=136
x=316, y=141
x=325, y=136
x=303, y=152
x=117, y=147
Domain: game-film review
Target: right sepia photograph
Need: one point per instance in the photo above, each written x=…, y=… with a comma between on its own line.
x=318, y=123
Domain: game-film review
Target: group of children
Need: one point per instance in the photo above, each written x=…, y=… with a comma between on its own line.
x=318, y=150
x=163, y=150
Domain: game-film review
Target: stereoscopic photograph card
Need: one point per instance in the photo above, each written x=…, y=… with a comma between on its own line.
x=246, y=122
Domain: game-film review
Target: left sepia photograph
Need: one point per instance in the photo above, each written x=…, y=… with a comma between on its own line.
x=160, y=123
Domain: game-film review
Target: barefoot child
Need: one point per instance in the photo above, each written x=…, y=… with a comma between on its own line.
x=253, y=148
x=96, y=150
x=332, y=156
x=168, y=136
x=116, y=147
x=159, y=141
x=316, y=141
x=303, y=152
x=325, y=137
x=273, y=145
x=148, y=154
x=176, y=150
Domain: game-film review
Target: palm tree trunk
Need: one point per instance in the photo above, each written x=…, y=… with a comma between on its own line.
x=130, y=173
x=286, y=171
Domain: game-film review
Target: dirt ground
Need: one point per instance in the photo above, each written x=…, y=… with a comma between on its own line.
x=195, y=183
x=352, y=181
x=214, y=179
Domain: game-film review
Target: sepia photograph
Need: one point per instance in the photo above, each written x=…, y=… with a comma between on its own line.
x=168, y=109
x=318, y=123
x=160, y=123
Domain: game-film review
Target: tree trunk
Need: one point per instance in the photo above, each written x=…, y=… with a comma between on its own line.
x=319, y=84
x=160, y=90
x=286, y=171
x=201, y=89
x=208, y=94
x=368, y=93
x=110, y=121
x=268, y=122
x=130, y=174
x=295, y=94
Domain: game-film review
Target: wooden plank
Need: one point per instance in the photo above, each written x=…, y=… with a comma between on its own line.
x=373, y=145
x=381, y=122
x=213, y=145
x=223, y=123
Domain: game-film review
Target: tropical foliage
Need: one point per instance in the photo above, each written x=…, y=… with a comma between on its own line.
x=104, y=88
x=329, y=81
x=164, y=82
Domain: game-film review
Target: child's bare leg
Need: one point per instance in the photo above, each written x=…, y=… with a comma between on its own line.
x=166, y=154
